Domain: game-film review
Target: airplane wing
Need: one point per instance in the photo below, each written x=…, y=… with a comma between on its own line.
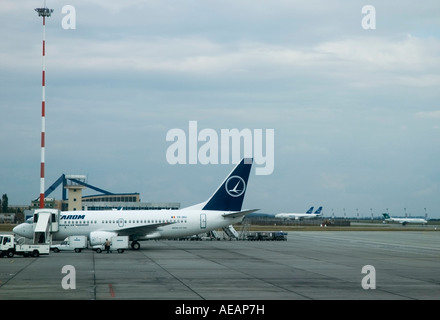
x=239, y=213
x=142, y=230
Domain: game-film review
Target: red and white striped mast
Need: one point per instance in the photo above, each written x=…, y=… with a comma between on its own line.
x=43, y=12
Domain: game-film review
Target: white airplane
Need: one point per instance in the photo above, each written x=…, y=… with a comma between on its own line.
x=300, y=216
x=403, y=221
x=222, y=209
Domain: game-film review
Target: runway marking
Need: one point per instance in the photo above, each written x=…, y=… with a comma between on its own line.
x=238, y=270
x=112, y=292
x=171, y=274
x=382, y=244
x=18, y=272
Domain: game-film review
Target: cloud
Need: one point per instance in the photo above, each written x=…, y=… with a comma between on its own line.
x=357, y=62
x=408, y=54
x=428, y=114
x=333, y=181
x=348, y=105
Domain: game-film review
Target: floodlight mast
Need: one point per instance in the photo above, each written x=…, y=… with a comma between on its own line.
x=43, y=12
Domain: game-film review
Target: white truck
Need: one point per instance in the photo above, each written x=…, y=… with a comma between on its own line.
x=119, y=243
x=9, y=246
x=71, y=243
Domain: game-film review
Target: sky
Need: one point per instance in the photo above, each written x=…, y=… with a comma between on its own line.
x=355, y=111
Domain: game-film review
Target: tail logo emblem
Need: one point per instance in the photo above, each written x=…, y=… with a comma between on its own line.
x=235, y=186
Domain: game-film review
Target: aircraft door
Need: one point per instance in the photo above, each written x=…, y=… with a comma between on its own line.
x=202, y=221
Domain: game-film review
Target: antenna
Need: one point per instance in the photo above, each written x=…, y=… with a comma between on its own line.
x=43, y=12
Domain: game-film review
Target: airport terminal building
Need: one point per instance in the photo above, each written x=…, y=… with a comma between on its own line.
x=74, y=200
x=124, y=201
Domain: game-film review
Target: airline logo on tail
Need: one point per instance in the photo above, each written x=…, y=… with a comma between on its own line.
x=318, y=211
x=229, y=196
x=238, y=186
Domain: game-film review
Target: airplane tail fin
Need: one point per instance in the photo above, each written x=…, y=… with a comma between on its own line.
x=386, y=215
x=230, y=194
x=310, y=210
x=318, y=211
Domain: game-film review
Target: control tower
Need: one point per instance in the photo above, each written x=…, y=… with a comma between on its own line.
x=74, y=186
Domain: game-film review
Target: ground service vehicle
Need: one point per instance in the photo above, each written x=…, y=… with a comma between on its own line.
x=71, y=243
x=119, y=243
x=10, y=246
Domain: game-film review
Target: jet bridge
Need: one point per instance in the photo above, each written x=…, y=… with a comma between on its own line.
x=45, y=222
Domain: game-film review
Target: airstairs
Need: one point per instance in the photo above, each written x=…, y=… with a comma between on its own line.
x=231, y=232
x=45, y=222
x=245, y=225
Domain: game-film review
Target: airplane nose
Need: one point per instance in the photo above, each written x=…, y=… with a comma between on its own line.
x=17, y=229
x=22, y=230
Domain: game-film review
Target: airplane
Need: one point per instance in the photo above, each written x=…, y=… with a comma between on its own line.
x=403, y=221
x=222, y=209
x=300, y=216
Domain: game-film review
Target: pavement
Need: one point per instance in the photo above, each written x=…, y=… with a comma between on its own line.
x=310, y=265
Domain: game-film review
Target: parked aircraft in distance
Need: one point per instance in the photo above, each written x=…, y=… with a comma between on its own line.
x=300, y=216
x=222, y=209
x=403, y=221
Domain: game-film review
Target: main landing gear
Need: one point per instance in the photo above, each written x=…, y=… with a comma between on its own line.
x=135, y=245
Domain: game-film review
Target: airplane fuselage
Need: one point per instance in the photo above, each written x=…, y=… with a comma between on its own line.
x=407, y=220
x=299, y=216
x=296, y=216
x=181, y=222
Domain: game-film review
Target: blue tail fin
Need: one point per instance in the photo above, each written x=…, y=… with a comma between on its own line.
x=229, y=196
x=318, y=211
x=310, y=210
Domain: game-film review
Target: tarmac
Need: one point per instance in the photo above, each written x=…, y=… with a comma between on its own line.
x=310, y=265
